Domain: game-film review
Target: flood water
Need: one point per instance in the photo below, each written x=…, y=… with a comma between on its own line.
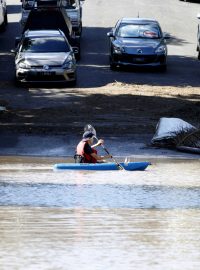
x=99, y=220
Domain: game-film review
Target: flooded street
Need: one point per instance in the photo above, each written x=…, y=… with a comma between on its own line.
x=111, y=220
x=99, y=220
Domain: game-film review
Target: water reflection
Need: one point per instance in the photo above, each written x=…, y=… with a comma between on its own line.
x=101, y=196
x=56, y=238
x=99, y=220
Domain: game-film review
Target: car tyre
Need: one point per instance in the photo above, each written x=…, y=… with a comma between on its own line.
x=3, y=27
x=80, y=29
x=113, y=66
x=72, y=83
x=198, y=55
x=78, y=55
x=6, y=18
x=17, y=83
x=163, y=68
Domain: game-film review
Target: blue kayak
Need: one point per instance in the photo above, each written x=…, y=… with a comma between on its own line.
x=130, y=166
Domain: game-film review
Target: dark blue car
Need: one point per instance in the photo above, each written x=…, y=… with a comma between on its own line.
x=137, y=42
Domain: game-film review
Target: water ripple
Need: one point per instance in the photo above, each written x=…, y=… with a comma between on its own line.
x=100, y=196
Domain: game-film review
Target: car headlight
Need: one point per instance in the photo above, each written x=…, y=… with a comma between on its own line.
x=24, y=65
x=69, y=62
x=118, y=50
x=161, y=49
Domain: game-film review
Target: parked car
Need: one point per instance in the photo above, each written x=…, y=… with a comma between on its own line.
x=198, y=37
x=44, y=56
x=26, y=7
x=49, y=14
x=74, y=11
x=137, y=42
x=3, y=15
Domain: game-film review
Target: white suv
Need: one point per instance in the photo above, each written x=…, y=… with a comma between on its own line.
x=73, y=8
x=74, y=11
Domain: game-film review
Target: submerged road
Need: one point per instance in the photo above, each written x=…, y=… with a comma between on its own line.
x=176, y=18
x=100, y=220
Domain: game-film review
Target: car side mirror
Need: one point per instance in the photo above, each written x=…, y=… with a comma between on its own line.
x=17, y=41
x=110, y=34
x=13, y=51
x=166, y=36
x=75, y=50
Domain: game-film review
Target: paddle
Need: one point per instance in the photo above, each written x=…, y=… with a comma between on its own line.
x=90, y=128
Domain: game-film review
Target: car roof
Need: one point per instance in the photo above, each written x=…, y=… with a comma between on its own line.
x=42, y=33
x=138, y=20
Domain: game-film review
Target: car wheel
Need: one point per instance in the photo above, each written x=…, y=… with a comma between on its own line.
x=17, y=82
x=163, y=68
x=78, y=55
x=80, y=29
x=6, y=18
x=113, y=66
x=72, y=83
x=198, y=56
x=3, y=27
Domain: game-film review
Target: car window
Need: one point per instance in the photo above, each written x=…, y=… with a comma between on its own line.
x=138, y=31
x=45, y=45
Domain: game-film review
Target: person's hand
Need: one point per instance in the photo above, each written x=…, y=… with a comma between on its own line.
x=100, y=142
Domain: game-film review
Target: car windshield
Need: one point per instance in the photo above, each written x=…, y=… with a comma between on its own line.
x=45, y=45
x=138, y=31
x=69, y=4
x=27, y=4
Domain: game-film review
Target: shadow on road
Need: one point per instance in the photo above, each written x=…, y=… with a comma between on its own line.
x=122, y=113
x=193, y=1
x=13, y=9
x=54, y=109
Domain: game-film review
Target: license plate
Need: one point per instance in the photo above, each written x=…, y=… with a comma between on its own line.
x=138, y=59
x=46, y=73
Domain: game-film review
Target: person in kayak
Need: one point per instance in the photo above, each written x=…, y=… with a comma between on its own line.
x=85, y=152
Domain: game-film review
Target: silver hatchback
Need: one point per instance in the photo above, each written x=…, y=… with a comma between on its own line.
x=45, y=56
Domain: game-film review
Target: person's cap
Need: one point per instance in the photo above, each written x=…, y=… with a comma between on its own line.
x=87, y=135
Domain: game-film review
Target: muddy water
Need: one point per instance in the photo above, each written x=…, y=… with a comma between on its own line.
x=99, y=220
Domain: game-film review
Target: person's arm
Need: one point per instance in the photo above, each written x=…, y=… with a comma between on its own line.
x=98, y=143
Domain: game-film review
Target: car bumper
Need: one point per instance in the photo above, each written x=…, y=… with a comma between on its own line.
x=139, y=60
x=41, y=75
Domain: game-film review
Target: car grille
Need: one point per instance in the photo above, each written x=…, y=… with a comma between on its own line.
x=41, y=77
x=41, y=67
x=138, y=59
